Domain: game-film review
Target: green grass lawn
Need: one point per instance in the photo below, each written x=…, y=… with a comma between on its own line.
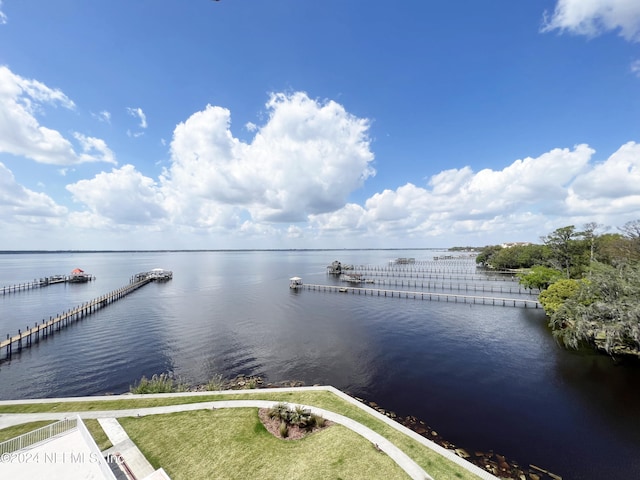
x=97, y=433
x=233, y=444
x=433, y=463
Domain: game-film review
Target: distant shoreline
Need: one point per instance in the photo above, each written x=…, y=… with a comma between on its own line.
x=13, y=252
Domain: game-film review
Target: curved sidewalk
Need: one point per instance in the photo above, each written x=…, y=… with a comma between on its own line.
x=401, y=458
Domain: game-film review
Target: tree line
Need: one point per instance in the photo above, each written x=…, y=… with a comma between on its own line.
x=589, y=281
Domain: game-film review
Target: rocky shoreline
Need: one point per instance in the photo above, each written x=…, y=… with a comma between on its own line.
x=493, y=462
x=497, y=464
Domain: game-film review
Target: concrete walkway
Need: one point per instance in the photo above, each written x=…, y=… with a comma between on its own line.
x=124, y=447
x=403, y=460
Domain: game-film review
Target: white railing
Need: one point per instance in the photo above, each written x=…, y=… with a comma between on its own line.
x=36, y=436
x=107, y=473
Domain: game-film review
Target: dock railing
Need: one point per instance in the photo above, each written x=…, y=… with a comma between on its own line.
x=446, y=297
x=37, y=436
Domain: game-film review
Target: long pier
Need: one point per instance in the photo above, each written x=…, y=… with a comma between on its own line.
x=460, y=287
x=445, y=297
x=406, y=273
x=31, y=335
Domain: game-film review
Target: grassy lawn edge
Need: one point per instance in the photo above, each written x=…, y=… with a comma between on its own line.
x=327, y=398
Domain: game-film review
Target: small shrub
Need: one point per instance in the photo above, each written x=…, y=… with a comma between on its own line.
x=298, y=417
x=284, y=429
x=163, y=383
x=252, y=383
x=279, y=411
x=318, y=421
x=217, y=382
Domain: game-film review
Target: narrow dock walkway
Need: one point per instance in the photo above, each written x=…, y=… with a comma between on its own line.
x=40, y=283
x=443, y=297
x=460, y=287
x=446, y=275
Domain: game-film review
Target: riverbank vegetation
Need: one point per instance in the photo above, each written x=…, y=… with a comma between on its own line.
x=589, y=283
x=169, y=383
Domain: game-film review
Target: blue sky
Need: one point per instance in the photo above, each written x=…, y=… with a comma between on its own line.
x=296, y=124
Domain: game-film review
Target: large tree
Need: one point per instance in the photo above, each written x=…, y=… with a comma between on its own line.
x=603, y=310
x=631, y=232
x=566, y=251
x=590, y=237
x=540, y=277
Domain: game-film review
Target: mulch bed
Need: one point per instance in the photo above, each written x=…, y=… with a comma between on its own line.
x=295, y=433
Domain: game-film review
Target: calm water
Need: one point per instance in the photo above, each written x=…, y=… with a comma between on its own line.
x=486, y=378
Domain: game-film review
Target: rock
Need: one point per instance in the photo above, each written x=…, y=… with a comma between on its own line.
x=462, y=453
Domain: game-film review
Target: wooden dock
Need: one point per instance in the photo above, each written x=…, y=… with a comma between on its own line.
x=444, y=297
x=460, y=287
x=43, y=282
x=24, y=339
x=401, y=273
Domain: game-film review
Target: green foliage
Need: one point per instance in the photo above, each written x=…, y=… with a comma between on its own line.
x=163, y=383
x=566, y=252
x=612, y=249
x=284, y=429
x=215, y=383
x=539, y=277
x=513, y=257
x=280, y=411
x=557, y=293
x=604, y=311
x=298, y=416
x=486, y=255
x=318, y=421
x=464, y=249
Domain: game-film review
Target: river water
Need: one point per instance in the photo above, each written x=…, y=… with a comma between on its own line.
x=485, y=377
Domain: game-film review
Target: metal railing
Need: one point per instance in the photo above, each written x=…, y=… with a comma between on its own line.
x=36, y=436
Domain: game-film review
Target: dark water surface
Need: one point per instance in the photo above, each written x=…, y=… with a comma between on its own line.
x=485, y=377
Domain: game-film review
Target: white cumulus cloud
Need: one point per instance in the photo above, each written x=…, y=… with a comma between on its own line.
x=19, y=202
x=609, y=187
x=307, y=158
x=522, y=197
x=21, y=133
x=593, y=17
x=124, y=196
